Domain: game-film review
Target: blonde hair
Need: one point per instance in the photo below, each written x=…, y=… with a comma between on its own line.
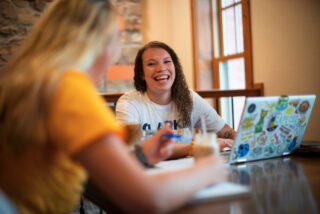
x=71, y=33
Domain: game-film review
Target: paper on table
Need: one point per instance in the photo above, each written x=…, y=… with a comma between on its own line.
x=169, y=165
x=223, y=190
x=176, y=164
x=220, y=191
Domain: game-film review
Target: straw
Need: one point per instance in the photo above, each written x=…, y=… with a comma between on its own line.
x=203, y=125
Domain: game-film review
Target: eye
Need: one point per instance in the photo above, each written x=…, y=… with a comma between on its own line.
x=151, y=64
x=167, y=61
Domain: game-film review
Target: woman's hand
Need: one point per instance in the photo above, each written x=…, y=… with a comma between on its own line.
x=158, y=148
x=220, y=168
x=225, y=137
x=224, y=143
x=216, y=166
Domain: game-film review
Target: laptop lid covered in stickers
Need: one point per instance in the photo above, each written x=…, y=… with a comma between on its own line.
x=271, y=127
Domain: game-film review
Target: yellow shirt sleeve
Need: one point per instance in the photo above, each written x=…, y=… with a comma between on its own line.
x=78, y=115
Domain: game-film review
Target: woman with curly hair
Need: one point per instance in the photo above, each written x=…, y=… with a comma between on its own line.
x=162, y=96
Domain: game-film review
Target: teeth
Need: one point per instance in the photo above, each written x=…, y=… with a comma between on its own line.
x=162, y=77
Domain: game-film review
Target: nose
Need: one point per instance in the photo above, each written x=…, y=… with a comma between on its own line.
x=160, y=67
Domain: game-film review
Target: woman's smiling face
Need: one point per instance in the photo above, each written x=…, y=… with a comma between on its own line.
x=159, y=70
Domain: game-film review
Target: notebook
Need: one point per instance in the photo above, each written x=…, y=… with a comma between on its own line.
x=220, y=191
x=271, y=127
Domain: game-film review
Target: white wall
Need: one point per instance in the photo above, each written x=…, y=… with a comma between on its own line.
x=285, y=43
x=286, y=50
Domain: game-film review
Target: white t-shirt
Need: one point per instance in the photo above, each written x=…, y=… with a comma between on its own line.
x=135, y=107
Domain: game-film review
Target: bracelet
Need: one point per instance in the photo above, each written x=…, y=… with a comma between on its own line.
x=141, y=157
x=191, y=149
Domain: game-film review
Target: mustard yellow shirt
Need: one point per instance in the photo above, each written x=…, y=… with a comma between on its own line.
x=48, y=180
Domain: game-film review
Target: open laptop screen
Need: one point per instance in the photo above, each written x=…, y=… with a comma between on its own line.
x=271, y=127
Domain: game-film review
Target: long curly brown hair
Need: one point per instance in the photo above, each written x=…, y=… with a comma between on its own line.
x=180, y=93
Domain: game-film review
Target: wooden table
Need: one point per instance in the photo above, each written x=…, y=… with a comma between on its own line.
x=280, y=185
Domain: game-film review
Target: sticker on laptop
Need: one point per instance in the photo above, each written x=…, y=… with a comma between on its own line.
x=251, y=108
x=303, y=107
x=243, y=150
x=282, y=103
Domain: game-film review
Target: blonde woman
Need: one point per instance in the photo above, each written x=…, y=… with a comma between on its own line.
x=55, y=130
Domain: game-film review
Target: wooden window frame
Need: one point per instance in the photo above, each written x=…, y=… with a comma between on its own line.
x=247, y=44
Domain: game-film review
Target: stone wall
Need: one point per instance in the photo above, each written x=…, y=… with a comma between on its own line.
x=18, y=16
x=129, y=12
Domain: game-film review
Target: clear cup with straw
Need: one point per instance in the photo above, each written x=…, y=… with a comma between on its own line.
x=205, y=143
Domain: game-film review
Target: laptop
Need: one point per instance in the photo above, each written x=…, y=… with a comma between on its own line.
x=271, y=127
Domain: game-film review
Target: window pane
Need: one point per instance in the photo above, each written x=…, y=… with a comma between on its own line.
x=228, y=104
x=238, y=108
x=229, y=33
x=226, y=3
x=226, y=110
x=232, y=76
x=239, y=28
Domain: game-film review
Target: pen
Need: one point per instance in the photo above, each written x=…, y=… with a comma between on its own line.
x=172, y=135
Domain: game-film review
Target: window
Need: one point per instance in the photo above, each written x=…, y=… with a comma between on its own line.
x=222, y=50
